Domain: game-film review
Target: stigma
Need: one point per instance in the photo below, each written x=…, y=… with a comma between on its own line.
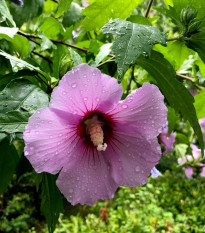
x=95, y=131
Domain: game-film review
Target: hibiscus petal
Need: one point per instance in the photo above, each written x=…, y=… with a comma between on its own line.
x=202, y=173
x=189, y=172
x=138, y=156
x=145, y=111
x=87, y=177
x=84, y=89
x=49, y=138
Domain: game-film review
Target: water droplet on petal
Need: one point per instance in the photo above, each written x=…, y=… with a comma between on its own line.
x=74, y=85
x=26, y=153
x=64, y=92
x=124, y=106
x=85, y=98
x=97, y=99
x=137, y=169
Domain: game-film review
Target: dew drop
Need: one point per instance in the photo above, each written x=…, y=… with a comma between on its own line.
x=64, y=92
x=26, y=153
x=74, y=85
x=137, y=169
x=84, y=76
x=97, y=99
x=85, y=98
x=124, y=106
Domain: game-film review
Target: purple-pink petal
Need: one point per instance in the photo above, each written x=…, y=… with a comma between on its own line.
x=143, y=111
x=85, y=89
x=189, y=172
x=48, y=137
x=167, y=142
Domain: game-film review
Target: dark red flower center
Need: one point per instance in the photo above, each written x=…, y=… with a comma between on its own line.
x=91, y=120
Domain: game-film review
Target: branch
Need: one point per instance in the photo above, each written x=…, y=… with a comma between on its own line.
x=148, y=8
x=190, y=79
x=31, y=36
x=45, y=58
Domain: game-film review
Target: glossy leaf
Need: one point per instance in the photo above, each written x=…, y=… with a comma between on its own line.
x=8, y=161
x=131, y=41
x=13, y=122
x=63, y=7
x=104, y=51
x=21, y=95
x=4, y=11
x=177, y=95
x=103, y=10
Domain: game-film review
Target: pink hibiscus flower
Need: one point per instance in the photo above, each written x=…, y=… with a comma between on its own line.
x=167, y=142
x=189, y=171
x=96, y=142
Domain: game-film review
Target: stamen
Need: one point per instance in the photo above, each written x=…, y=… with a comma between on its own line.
x=96, y=136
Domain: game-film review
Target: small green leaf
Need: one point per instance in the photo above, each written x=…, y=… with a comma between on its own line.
x=46, y=43
x=200, y=104
x=63, y=7
x=131, y=41
x=52, y=203
x=177, y=95
x=8, y=161
x=99, y=12
x=4, y=11
x=6, y=32
x=51, y=28
x=75, y=57
x=21, y=95
x=104, y=51
x=180, y=150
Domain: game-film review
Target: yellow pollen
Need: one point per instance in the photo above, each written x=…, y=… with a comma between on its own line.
x=97, y=137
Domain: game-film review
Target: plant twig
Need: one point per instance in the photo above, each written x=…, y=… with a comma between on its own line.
x=40, y=55
x=190, y=79
x=105, y=62
x=31, y=36
x=148, y=8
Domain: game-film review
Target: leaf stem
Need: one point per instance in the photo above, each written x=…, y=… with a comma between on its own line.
x=148, y=8
x=190, y=79
x=43, y=57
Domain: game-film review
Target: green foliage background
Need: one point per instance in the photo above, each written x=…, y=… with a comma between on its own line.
x=163, y=45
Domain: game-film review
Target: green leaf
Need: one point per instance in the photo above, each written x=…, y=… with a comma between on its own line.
x=168, y=2
x=16, y=44
x=8, y=161
x=30, y=10
x=200, y=104
x=75, y=57
x=52, y=203
x=104, y=51
x=51, y=28
x=46, y=43
x=21, y=95
x=4, y=11
x=197, y=43
x=99, y=12
x=177, y=95
x=13, y=122
x=139, y=19
x=176, y=52
x=2, y=136
x=6, y=32
x=63, y=7
x=180, y=150
x=19, y=64
x=73, y=15
x=131, y=41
